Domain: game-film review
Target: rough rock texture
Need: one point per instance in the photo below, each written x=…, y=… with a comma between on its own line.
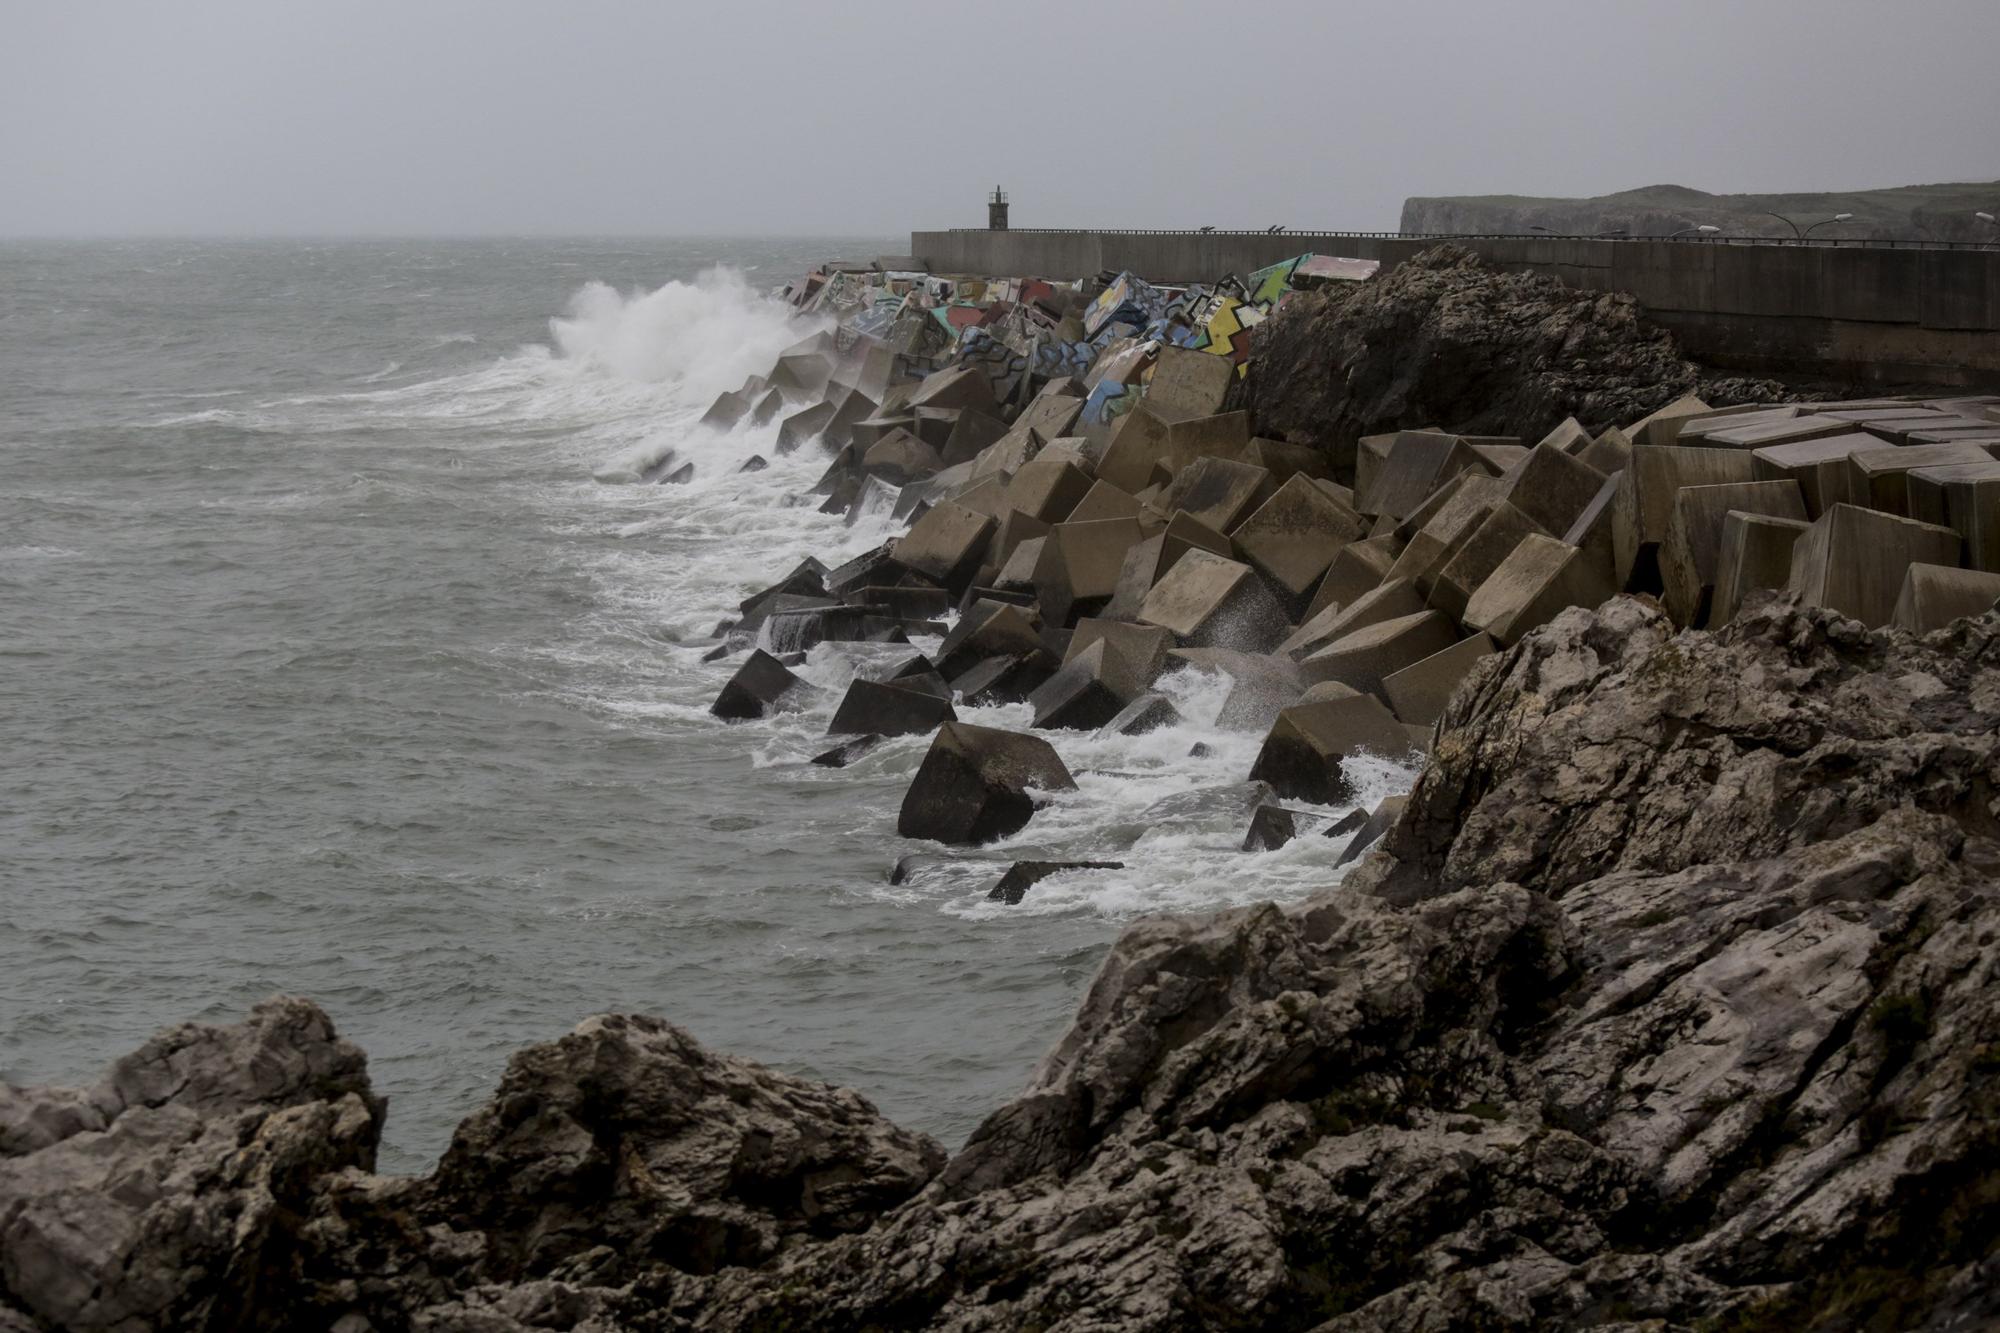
x=167, y=1195
x=1443, y=340
x=1669, y=1002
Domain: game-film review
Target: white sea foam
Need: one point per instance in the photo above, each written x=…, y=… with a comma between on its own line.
x=626, y=380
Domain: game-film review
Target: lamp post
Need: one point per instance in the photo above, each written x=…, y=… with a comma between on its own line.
x=1796, y=233
x=1987, y=217
x=1704, y=229
x=1827, y=222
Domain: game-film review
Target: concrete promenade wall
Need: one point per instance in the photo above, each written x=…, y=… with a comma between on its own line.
x=1871, y=313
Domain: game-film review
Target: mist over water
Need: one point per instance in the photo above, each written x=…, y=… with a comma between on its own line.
x=341, y=654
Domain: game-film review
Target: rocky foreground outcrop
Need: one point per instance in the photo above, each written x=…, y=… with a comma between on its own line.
x=1670, y=1002
x=1444, y=340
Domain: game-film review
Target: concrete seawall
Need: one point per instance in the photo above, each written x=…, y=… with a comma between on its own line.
x=1871, y=313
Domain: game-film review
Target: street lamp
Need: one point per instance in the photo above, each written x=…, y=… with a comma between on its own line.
x=1827, y=222
x=1704, y=229
x=1987, y=217
x=1787, y=221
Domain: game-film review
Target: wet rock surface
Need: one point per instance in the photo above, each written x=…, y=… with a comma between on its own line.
x=1444, y=339
x=1666, y=1002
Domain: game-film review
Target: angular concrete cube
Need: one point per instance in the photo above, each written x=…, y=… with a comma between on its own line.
x=1550, y=486
x=1189, y=382
x=1224, y=436
x=946, y=545
x=1102, y=500
x=1879, y=478
x=1691, y=550
x=956, y=386
x=1207, y=601
x=1853, y=560
x=1359, y=567
x=1135, y=654
x=1539, y=579
x=887, y=708
x=1933, y=596
x=1570, y=437
x=1664, y=426
x=1217, y=491
x=975, y=782
x=1292, y=537
x=1419, y=692
x=1819, y=466
x=1363, y=658
x=1138, y=445
x=900, y=458
x=1417, y=463
x=1048, y=489
x=1966, y=499
x=1475, y=559
x=971, y=431
x=1389, y=600
x=1302, y=756
x=1755, y=552
x=1645, y=503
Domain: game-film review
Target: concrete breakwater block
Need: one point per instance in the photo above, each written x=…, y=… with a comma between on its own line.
x=1293, y=537
x=1689, y=553
x=1754, y=552
x=1537, y=581
x=888, y=709
x=974, y=782
x=1364, y=659
x=1207, y=601
x=1419, y=692
x=946, y=544
x=1933, y=596
x=1853, y=560
x=1966, y=499
x=756, y=689
x=1077, y=696
x=1302, y=756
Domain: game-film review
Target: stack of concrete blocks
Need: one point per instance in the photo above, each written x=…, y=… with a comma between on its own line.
x=1087, y=558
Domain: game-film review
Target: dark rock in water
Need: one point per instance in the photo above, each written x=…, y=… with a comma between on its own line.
x=974, y=783
x=1076, y=696
x=657, y=469
x=754, y=463
x=1444, y=340
x=1002, y=679
x=756, y=688
x=1024, y=875
x=908, y=603
x=1372, y=828
x=680, y=476
x=767, y=408
x=1271, y=827
x=1346, y=824
x=845, y=493
x=806, y=579
x=840, y=756
x=1200, y=750
x=728, y=647
x=1147, y=713
x=861, y=570
x=888, y=709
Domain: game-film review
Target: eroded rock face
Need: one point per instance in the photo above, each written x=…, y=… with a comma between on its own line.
x=1669, y=1001
x=167, y=1196
x=1444, y=340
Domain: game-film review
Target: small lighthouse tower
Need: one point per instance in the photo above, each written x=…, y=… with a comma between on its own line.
x=996, y=210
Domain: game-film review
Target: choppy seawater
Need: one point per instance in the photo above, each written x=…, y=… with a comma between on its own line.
x=336, y=658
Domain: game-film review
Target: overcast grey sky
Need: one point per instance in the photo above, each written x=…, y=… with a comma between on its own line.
x=867, y=117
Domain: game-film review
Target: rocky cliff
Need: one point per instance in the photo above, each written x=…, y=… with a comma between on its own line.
x=1667, y=1003
x=1444, y=340
x=1901, y=213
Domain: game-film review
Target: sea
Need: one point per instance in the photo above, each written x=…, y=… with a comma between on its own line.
x=344, y=652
